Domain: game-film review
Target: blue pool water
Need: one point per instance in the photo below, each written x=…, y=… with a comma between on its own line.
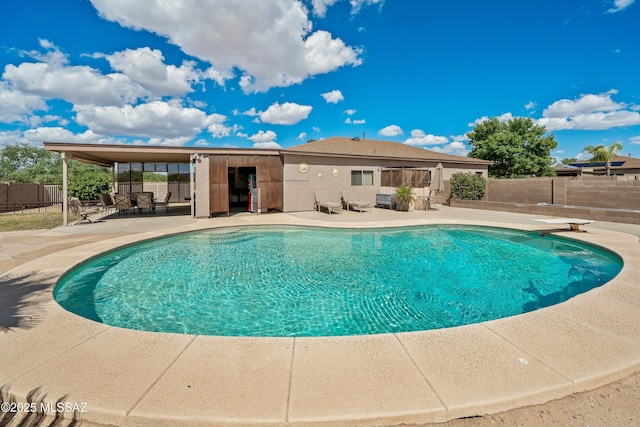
x=291, y=281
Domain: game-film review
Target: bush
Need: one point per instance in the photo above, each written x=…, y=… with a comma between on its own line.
x=468, y=186
x=89, y=184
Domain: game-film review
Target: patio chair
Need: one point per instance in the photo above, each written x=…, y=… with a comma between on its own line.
x=82, y=211
x=352, y=203
x=107, y=202
x=164, y=203
x=145, y=201
x=123, y=203
x=322, y=201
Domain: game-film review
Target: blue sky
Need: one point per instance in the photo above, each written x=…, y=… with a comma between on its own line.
x=276, y=73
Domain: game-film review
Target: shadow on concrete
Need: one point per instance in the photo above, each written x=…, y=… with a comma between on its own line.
x=36, y=411
x=20, y=299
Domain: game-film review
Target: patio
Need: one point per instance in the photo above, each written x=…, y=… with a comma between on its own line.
x=139, y=378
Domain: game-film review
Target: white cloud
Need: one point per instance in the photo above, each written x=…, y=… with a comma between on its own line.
x=146, y=67
x=391, y=130
x=501, y=118
x=320, y=6
x=530, y=105
x=270, y=42
x=588, y=112
x=417, y=133
x=333, y=97
x=53, y=78
x=17, y=106
x=264, y=139
x=349, y=121
x=635, y=140
x=585, y=104
x=59, y=134
x=262, y=136
x=459, y=138
x=154, y=120
x=288, y=113
x=350, y=112
x=620, y=5
x=423, y=139
x=302, y=136
x=456, y=148
x=271, y=144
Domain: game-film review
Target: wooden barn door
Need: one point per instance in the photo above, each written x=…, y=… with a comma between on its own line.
x=218, y=185
x=270, y=174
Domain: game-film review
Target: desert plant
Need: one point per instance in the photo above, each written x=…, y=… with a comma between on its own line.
x=403, y=197
x=468, y=186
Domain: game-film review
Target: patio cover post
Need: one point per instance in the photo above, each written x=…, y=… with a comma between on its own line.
x=114, y=190
x=192, y=187
x=65, y=189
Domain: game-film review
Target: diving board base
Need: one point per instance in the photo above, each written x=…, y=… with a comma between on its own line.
x=574, y=223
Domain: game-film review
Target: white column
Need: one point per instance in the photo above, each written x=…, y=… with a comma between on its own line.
x=65, y=190
x=192, y=187
x=114, y=188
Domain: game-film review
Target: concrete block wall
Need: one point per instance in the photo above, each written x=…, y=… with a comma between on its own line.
x=532, y=190
x=604, y=192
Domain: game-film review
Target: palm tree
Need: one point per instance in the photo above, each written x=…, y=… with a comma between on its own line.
x=600, y=153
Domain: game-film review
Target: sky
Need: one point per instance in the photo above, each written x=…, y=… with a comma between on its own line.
x=278, y=73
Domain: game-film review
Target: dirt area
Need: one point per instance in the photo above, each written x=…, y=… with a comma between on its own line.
x=613, y=405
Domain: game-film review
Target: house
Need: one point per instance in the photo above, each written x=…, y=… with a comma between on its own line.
x=620, y=165
x=218, y=180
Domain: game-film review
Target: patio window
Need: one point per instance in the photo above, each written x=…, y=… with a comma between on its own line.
x=395, y=177
x=361, y=178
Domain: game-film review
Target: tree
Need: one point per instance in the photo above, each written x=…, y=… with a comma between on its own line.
x=603, y=154
x=25, y=163
x=518, y=147
x=569, y=160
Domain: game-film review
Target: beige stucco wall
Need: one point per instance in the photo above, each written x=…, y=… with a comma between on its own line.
x=334, y=175
x=202, y=187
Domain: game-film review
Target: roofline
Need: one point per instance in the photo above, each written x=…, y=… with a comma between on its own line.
x=59, y=147
x=461, y=159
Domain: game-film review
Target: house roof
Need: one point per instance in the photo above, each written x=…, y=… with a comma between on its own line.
x=617, y=162
x=338, y=146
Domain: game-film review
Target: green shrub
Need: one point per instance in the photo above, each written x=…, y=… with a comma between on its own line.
x=89, y=184
x=468, y=186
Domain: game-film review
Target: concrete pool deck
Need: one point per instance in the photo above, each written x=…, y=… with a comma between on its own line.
x=133, y=378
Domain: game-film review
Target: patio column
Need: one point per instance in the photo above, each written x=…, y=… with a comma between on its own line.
x=192, y=179
x=65, y=189
x=113, y=179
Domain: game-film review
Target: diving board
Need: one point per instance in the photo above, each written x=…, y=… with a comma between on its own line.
x=574, y=223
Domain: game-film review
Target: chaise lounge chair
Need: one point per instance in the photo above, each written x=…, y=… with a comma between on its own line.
x=352, y=203
x=79, y=210
x=322, y=201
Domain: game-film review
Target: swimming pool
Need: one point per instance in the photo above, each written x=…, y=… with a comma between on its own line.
x=296, y=281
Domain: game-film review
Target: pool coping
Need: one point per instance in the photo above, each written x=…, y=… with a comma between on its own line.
x=389, y=379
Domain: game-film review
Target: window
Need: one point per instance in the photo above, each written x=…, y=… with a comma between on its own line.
x=361, y=178
x=395, y=177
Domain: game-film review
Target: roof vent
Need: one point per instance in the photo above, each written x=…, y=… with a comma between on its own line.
x=355, y=138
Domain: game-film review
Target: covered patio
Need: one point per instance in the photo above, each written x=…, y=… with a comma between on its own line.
x=136, y=158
